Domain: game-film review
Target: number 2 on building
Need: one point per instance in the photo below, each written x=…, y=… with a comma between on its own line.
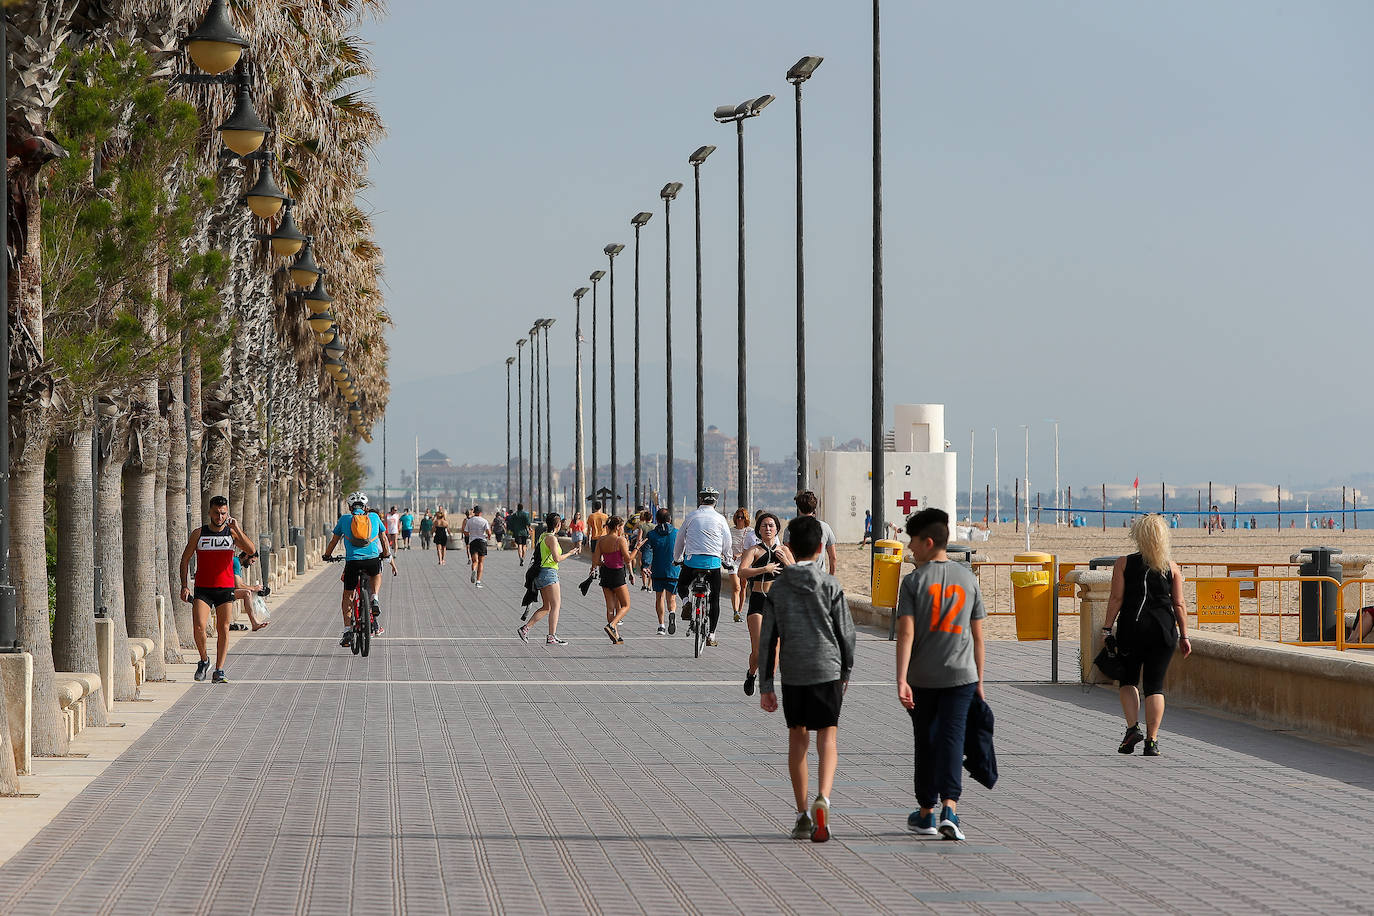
x=943, y=622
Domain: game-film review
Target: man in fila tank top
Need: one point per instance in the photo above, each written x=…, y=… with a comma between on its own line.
x=212, y=545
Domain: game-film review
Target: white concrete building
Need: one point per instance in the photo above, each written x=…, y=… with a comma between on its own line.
x=919, y=473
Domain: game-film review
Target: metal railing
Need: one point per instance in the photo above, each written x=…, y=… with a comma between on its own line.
x=1270, y=609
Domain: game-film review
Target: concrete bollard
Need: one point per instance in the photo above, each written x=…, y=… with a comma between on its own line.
x=1094, y=588
x=17, y=670
x=104, y=650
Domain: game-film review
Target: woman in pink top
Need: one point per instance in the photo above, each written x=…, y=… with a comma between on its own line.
x=612, y=557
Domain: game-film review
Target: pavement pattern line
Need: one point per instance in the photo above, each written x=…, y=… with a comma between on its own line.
x=470, y=772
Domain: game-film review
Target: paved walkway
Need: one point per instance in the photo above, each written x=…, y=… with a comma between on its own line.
x=458, y=770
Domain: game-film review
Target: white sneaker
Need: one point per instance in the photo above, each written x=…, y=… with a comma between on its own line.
x=479, y=584
x=662, y=630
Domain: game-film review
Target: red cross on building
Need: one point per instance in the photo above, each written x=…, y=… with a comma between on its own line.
x=907, y=503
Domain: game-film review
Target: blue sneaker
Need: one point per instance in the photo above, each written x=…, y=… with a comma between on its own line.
x=949, y=824
x=922, y=824
x=202, y=669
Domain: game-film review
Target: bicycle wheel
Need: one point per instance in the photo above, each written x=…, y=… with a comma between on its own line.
x=698, y=629
x=357, y=643
x=365, y=636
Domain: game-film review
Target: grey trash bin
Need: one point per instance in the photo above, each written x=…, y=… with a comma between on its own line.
x=1317, y=600
x=961, y=554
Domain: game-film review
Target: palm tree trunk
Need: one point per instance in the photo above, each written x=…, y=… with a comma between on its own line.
x=111, y=524
x=176, y=513
x=9, y=775
x=237, y=478
x=140, y=538
x=195, y=441
x=162, y=577
x=73, y=647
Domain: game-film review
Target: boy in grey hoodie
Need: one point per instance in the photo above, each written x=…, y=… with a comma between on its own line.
x=806, y=616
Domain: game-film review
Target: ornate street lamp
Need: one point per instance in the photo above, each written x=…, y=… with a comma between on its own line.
x=265, y=199
x=318, y=300
x=320, y=322
x=304, y=270
x=288, y=238
x=216, y=46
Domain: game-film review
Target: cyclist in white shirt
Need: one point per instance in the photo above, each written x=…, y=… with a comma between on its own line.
x=703, y=546
x=478, y=530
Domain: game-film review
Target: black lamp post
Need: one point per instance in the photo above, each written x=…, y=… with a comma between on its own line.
x=536, y=424
x=696, y=159
x=669, y=193
x=879, y=468
x=801, y=72
x=509, y=361
x=612, y=250
x=595, y=277
x=738, y=114
x=544, y=325
x=579, y=472
x=520, y=418
x=638, y=221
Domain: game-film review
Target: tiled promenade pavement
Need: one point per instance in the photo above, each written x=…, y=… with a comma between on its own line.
x=458, y=770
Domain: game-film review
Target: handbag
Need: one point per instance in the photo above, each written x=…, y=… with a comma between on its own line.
x=1111, y=661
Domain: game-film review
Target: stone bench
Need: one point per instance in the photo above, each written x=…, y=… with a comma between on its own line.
x=139, y=648
x=73, y=690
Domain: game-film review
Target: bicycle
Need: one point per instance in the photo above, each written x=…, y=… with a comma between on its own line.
x=697, y=624
x=361, y=643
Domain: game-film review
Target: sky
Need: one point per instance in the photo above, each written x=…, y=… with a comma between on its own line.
x=1149, y=222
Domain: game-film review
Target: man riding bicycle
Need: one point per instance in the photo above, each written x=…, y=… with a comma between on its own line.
x=364, y=549
x=703, y=546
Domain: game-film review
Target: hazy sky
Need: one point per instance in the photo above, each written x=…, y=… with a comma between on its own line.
x=1148, y=220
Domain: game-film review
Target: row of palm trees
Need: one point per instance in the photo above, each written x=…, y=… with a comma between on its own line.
x=159, y=346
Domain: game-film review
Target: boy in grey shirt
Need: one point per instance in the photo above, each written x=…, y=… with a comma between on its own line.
x=939, y=668
x=807, y=619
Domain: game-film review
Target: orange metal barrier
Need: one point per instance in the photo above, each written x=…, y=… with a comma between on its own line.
x=1223, y=599
x=1355, y=633
x=996, y=587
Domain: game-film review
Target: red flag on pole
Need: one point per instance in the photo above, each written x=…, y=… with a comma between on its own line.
x=1136, y=485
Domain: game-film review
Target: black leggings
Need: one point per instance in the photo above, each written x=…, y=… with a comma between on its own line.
x=1149, y=658
x=684, y=588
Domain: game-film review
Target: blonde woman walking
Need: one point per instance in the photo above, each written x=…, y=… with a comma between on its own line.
x=1146, y=604
x=441, y=535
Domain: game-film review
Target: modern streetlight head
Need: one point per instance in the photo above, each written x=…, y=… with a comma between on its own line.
x=640, y=218
x=613, y=249
x=288, y=239
x=670, y=190
x=546, y=323
x=244, y=131
x=304, y=270
x=215, y=45
x=759, y=104
x=699, y=156
x=725, y=114
x=521, y=342
x=801, y=71
x=597, y=275
x=581, y=291
x=510, y=361
x=265, y=199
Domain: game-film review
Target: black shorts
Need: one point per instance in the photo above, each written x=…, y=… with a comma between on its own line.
x=756, y=600
x=478, y=547
x=812, y=706
x=521, y=538
x=215, y=597
x=355, y=568
x=612, y=578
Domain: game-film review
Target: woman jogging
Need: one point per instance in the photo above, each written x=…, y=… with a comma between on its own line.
x=758, y=568
x=613, y=556
x=1146, y=604
x=547, y=557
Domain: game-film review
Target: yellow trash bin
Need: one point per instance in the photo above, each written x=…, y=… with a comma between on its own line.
x=1032, y=596
x=887, y=573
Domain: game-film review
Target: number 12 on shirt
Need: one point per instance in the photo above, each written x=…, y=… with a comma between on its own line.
x=942, y=618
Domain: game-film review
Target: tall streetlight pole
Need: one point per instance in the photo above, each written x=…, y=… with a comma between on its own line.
x=530, y=465
x=879, y=468
x=613, y=249
x=996, y=480
x=520, y=419
x=595, y=277
x=545, y=324
x=509, y=361
x=696, y=159
x=669, y=194
x=538, y=419
x=738, y=114
x=638, y=221
x=801, y=72
x=1026, y=502
x=1057, y=502
x=579, y=472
